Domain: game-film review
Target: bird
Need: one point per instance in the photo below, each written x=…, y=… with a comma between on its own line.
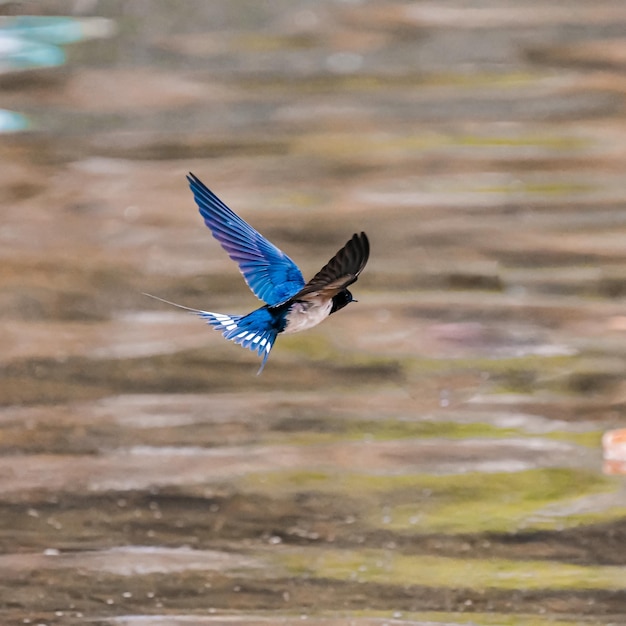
x=291, y=304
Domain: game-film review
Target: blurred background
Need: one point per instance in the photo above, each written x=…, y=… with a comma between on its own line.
x=432, y=454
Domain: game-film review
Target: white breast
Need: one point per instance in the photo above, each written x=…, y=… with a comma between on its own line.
x=303, y=315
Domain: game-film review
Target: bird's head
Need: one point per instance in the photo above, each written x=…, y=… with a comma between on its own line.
x=340, y=300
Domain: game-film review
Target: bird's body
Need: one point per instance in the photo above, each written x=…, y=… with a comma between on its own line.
x=291, y=304
x=305, y=315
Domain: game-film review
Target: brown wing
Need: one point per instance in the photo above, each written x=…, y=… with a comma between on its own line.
x=342, y=270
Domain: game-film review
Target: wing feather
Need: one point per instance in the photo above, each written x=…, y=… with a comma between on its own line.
x=271, y=275
x=341, y=271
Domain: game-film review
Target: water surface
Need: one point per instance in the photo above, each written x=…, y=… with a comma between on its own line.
x=430, y=455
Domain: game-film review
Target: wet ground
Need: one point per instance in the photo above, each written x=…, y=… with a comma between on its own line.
x=430, y=455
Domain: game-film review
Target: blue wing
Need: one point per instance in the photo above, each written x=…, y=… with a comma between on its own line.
x=271, y=275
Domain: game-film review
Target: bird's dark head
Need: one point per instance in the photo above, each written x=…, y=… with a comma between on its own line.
x=340, y=300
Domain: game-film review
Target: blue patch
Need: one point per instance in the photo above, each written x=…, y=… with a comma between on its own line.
x=256, y=331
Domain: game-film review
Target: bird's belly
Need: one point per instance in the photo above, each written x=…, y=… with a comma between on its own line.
x=304, y=315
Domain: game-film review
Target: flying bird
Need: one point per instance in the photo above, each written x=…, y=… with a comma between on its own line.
x=291, y=304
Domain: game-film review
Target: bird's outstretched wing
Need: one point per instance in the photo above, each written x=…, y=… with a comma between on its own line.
x=271, y=275
x=341, y=271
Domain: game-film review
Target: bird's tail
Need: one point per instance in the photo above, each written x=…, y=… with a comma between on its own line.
x=252, y=331
x=246, y=330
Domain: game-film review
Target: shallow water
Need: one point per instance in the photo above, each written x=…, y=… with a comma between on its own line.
x=430, y=455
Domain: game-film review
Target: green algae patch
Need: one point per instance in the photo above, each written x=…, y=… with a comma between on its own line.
x=589, y=439
x=387, y=567
x=543, y=189
x=314, y=346
x=317, y=348
x=458, y=503
x=366, y=83
x=500, y=502
x=553, y=142
x=315, y=431
x=326, y=431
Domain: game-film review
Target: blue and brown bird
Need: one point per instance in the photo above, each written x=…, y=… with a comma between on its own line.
x=291, y=305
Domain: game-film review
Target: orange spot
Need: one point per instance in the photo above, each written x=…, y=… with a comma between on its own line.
x=614, y=450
